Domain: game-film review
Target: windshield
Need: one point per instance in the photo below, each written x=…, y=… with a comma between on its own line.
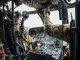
x=35, y=21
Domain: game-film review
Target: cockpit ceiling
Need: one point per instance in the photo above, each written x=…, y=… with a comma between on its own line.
x=38, y=4
x=34, y=3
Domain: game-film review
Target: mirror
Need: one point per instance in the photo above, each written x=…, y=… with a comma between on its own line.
x=71, y=2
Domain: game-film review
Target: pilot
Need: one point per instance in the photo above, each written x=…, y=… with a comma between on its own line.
x=8, y=32
x=26, y=39
x=56, y=30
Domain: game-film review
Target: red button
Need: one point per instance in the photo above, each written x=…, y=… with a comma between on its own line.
x=1, y=53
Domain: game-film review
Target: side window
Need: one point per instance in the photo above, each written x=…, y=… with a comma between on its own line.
x=54, y=16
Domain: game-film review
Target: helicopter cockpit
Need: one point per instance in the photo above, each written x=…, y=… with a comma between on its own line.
x=48, y=40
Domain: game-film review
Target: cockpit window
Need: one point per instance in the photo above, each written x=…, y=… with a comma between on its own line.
x=54, y=16
x=35, y=21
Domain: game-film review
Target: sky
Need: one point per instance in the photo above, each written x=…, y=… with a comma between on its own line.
x=35, y=21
